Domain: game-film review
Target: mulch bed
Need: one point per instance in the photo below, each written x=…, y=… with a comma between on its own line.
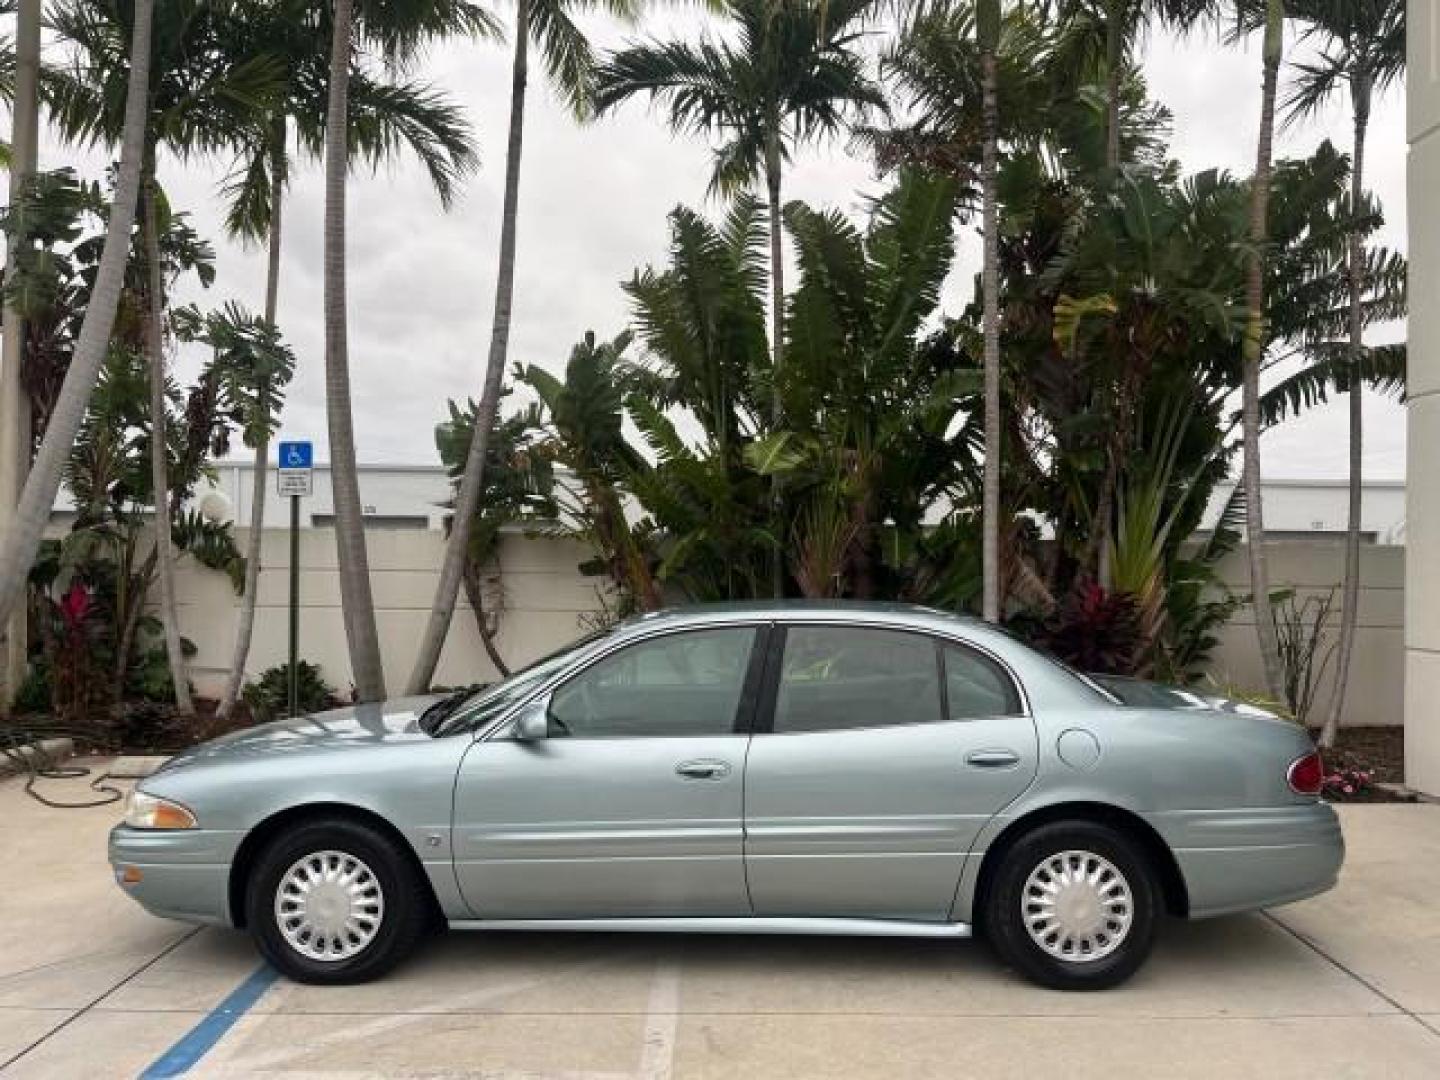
x=1380, y=751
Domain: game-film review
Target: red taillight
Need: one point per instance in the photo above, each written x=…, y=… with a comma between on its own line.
x=1306, y=775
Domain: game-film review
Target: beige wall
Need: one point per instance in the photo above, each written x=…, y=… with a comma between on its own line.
x=544, y=595
x=1376, y=694
x=1422, y=606
x=546, y=598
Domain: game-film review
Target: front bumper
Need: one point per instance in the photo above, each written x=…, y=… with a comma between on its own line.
x=1240, y=860
x=176, y=874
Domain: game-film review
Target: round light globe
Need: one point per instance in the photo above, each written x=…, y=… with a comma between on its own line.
x=215, y=506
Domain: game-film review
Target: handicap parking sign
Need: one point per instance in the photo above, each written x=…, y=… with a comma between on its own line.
x=297, y=455
x=293, y=475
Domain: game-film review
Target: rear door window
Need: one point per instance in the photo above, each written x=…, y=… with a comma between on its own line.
x=837, y=677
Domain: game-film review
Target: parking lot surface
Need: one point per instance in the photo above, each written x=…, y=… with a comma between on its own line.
x=1345, y=985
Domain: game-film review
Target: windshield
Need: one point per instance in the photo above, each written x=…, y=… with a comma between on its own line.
x=484, y=705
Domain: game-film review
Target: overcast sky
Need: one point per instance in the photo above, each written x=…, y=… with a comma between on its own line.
x=593, y=207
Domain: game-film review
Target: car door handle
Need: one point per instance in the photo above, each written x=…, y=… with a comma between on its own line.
x=992, y=759
x=703, y=769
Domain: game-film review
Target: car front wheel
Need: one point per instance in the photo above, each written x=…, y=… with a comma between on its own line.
x=335, y=902
x=1073, y=906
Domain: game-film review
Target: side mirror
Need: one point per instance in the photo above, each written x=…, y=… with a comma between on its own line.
x=533, y=722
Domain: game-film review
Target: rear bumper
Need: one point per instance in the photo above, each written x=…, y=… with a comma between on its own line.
x=181, y=874
x=1240, y=860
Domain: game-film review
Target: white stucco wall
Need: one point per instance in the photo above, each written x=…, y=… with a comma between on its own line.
x=546, y=598
x=1422, y=580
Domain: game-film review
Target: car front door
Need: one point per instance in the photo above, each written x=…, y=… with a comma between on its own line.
x=878, y=756
x=632, y=803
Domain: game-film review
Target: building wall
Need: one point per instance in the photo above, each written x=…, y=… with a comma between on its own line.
x=547, y=601
x=412, y=496
x=1316, y=569
x=1422, y=584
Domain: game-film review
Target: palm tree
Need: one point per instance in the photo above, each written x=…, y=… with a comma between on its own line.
x=1098, y=38
x=987, y=26
x=14, y=402
x=792, y=75
x=397, y=31
x=384, y=117
x=33, y=512
x=356, y=603
x=203, y=99
x=1364, y=52
x=1253, y=349
x=954, y=64
x=570, y=65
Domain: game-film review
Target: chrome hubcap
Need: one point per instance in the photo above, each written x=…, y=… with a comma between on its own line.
x=329, y=905
x=1077, y=906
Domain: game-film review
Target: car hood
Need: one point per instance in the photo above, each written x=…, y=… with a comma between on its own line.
x=353, y=727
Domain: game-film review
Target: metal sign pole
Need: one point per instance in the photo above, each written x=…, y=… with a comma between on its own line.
x=294, y=606
x=294, y=478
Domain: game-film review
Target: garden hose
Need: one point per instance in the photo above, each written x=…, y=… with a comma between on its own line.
x=21, y=744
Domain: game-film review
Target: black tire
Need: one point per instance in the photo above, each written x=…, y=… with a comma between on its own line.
x=405, y=909
x=1004, y=907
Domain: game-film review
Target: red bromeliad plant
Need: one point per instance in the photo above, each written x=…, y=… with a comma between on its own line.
x=77, y=683
x=1095, y=631
x=75, y=607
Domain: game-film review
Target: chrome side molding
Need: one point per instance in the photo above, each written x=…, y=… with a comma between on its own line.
x=737, y=924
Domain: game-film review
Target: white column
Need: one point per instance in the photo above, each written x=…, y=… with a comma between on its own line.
x=1422, y=503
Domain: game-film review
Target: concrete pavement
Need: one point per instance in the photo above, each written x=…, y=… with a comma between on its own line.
x=1347, y=985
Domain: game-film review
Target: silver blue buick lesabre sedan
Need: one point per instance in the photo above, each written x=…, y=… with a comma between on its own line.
x=768, y=768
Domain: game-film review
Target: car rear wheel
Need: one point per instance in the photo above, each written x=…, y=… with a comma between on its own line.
x=1073, y=906
x=335, y=901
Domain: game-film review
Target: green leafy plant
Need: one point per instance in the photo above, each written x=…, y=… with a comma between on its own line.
x=269, y=696
x=1303, y=630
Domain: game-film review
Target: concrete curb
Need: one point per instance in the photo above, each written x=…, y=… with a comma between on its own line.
x=45, y=752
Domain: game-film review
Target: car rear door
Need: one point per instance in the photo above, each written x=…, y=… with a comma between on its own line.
x=879, y=754
x=632, y=805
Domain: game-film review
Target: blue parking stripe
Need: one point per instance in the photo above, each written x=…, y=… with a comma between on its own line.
x=201, y=1039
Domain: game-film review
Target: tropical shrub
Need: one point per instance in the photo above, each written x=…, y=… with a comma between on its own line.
x=269, y=696
x=1093, y=631
x=89, y=589
x=1304, y=633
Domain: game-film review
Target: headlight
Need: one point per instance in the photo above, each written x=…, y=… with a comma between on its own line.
x=146, y=811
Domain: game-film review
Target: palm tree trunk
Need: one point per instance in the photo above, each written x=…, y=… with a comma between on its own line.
x=472, y=483
x=33, y=512
x=159, y=446
x=1253, y=350
x=1350, y=593
x=475, y=593
x=245, y=628
x=357, y=604
x=14, y=402
x=990, y=284
x=777, y=338
x=1114, y=39
x=138, y=588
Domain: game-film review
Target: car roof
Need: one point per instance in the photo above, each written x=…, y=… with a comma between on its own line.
x=797, y=610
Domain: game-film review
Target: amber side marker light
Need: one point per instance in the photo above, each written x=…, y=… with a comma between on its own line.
x=131, y=875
